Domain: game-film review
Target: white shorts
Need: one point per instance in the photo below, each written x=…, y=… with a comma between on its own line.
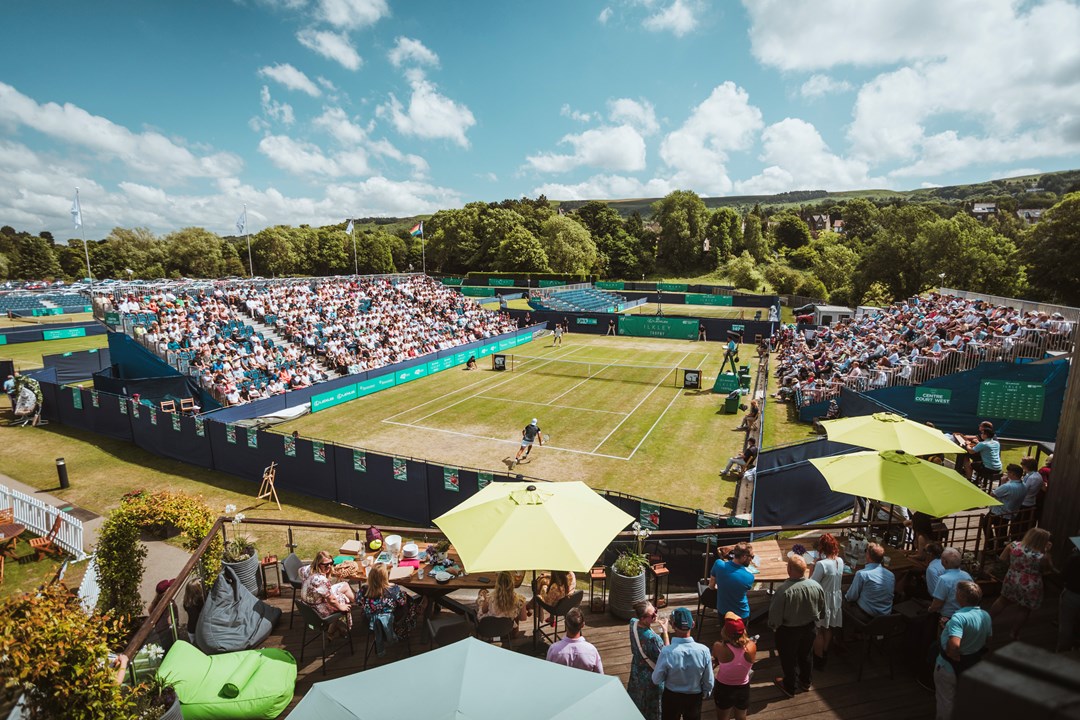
x=527, y=443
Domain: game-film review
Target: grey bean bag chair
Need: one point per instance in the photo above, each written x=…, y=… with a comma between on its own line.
x=232, y=618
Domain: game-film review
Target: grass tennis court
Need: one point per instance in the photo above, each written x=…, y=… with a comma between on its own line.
x=609, y=408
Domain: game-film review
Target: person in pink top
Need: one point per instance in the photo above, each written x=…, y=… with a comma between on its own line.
x=573, y=650
x=733, y=656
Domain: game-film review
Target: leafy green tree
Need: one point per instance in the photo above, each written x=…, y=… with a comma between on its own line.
x=452, y=240
x=1052, y=251
x=194, y=252
x=811, y=287
x=34, y=259
x=790, y=231
x=743, y=272
x=783, y=278
x=682, y=218
x=861, y=219
x=232, y=266
x=835, y=263
x=889, y=259
x=971, y=255
x=135, y=249
x=376, y=255
x=753, y=240
x=803, y=258
x=72, y=259
x=521, y=251
x=567, y=244
x=274, y=252
x=724, y=232
x=877, y=295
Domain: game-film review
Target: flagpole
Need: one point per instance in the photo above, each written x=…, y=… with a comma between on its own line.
x=251, y=265
x=352, y=234
x=423, y=249
x=86, y=247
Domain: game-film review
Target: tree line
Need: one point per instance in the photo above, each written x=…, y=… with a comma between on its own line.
x=887, y=251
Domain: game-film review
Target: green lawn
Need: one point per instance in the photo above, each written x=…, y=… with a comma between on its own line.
x=28, y=355
x=630, y=430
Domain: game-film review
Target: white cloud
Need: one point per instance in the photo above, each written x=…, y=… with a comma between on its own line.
x=606, y=187
x=147, y=152
x=605, y=15
x=797, y=158
x=569, y=112
x=819, y=85
x=304, y=158
x=639, y=114
x=291, y=78
x=335, y=122
x=698, y=151
x=331, y=45
x=279, y=111
x=352, y=14
x=620, y=148
x=677, y=18
x=430, y=115
x=413, y=52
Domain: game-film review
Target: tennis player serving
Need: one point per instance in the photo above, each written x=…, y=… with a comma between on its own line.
x=529, y=435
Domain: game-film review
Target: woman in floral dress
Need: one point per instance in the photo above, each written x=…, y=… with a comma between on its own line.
x=382, y=596
x=1023, y=586
x=645, y=648
x=322, y=593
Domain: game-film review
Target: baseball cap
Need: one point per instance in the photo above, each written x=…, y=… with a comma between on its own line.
x=534, y=421
x=682, y=619
x=734, y=626
x=163, y=586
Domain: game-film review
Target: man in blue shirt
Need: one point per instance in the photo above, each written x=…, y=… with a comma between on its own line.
x=873, y=587
x=989, y=451
x=944, y=592
x=732, y=580
x=961, y=645
x=1011, y=493
x=685, y=669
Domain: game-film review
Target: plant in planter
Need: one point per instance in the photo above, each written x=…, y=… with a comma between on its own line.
x=441, y=549
x=628, y=576
x=155, y=700
x=239, y=553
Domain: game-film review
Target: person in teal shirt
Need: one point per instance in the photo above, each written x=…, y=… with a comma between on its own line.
x=989, y=451
x=961, y=645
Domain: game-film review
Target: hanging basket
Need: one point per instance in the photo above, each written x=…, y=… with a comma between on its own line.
x=625, y=591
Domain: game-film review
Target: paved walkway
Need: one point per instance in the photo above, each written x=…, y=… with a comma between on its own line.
x=162, y=559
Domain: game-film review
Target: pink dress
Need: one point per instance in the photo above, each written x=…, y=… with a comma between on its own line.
x=1024, y=582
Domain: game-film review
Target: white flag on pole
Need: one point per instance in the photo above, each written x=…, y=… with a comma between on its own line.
x=241, y=222
x=76, y=211
x=349, y=228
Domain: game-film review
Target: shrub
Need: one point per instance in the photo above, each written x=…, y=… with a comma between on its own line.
x=810, y=286
x=743, y=272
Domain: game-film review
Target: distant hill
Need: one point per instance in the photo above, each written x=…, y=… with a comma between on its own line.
x=1041, y=190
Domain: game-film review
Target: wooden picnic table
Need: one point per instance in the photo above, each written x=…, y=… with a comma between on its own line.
x=771, y=558
x=9, y=533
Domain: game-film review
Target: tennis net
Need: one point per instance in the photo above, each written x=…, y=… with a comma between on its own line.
x=603, y=370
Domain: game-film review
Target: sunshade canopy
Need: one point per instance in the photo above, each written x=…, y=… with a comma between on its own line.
x=889, y=431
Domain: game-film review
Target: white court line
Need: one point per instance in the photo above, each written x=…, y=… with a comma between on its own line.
x=655, y=388
x=443, y=397
x=677, y=396
x=560, y=407
x=514, y=376
x=500, y=440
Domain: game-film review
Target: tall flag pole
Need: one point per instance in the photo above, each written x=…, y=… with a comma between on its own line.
x=418, y=231
x=76, y=219
x=241, y=226
x=349, y=230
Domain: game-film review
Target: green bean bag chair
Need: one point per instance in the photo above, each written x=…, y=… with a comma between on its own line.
x=244, y=684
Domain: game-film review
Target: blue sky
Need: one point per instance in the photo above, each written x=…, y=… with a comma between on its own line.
x=170, y=114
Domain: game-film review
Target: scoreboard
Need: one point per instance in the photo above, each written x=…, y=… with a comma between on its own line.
x=1013, y=400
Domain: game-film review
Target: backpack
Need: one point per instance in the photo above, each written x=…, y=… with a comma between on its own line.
x=373, y=534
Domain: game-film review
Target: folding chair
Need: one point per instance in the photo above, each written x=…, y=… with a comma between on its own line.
x=168, y=406
x=321, y=625
x=188, y=406
x=47, y=545
x=290, y=570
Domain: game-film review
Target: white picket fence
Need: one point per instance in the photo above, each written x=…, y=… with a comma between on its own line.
x=39, y=517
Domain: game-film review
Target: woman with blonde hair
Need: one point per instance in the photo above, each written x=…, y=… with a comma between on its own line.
x=504, y=602
x=733, y=657
x=1023, y=586
x=382, y=596
x=322, y=593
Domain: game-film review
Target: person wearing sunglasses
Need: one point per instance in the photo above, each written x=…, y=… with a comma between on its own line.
x=322, y=593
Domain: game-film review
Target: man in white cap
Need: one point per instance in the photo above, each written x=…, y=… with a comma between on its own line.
x=529, y=435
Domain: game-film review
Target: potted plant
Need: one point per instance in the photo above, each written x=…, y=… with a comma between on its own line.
x=441, y=549
x=628, y=576
x=155, y=700
x=240, y=554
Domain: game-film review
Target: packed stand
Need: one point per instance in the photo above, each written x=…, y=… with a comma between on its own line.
x=908, y=343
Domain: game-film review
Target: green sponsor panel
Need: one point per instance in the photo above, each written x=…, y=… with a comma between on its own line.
x=475, y=291
x=552, y=283
x=501, y=282
x=611, y=285
x=1011, y=399
x=672, y=287
x=462, y=357
x=375, y=385
x=486, y=350
x=452, y=281
x=63, y=334
x=933, y=396
x=404, y=376
x=507, y=343
x=702, y=299
x=3, y=339
x=443, y=363
x=662, y=327
x=112, y=318
x=725, y=383
x=524, y=338
x=585, y=321
x=88, y=308
x=333, y=397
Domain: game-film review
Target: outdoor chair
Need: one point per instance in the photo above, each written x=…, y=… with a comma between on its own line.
x=878, y=631
x=47, y=545
x=557, y=611
x=188, y=406
x=320, y=626
x=706, y=603
x=447, y=628
x=491, y=627
x=168, y=406
x=290, y=570
x=373, y=644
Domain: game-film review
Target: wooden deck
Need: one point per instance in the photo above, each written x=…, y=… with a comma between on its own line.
x=836, y=692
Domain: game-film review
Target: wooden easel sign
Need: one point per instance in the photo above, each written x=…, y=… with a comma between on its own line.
x=267, y=491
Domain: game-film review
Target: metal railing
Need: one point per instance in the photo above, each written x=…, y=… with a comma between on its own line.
x=1069, y=313
x=39, y=518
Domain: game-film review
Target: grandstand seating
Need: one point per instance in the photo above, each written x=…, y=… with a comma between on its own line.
x=581, y=300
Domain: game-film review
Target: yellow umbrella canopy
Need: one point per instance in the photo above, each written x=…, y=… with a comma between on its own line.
x=520, y=526
x=889, y=431
x=894, y=476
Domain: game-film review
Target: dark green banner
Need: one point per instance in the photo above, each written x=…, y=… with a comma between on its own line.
x=585, y=321
x=672, y=287
x=551, y=283
x=452, y=281
x=475, y=291
x=62, y=334
x=112, y=318
x=332, y=398
x=611, y=285
x=501, y=282
x=662, y=327
x=374, y=385
x=700, y=299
